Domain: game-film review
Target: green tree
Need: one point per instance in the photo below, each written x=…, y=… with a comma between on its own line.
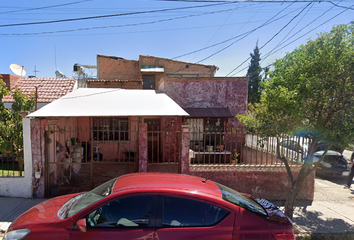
x=254, y=73
x=309, y=93
x=11, y=129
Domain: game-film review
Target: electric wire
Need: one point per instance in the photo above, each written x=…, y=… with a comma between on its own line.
x=283, y=39
x=264, y=45
x=274, y=35
x=299, y=37
x=245, y=23
x=45, y=7
x=108, y=15
x=243, y=35
x=115, y=26
x=216, y=32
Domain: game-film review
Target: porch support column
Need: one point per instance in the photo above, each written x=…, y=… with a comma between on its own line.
x=37, y=145
x=185, y=140
x=143, y=148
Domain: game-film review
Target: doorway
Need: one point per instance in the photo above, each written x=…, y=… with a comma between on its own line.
x=154, y=140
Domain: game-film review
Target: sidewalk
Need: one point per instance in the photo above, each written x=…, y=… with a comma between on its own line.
x=11, y=208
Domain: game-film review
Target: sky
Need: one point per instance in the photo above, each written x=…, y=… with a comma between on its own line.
x=46, y=36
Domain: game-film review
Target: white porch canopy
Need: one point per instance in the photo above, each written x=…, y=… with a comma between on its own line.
x=96, y=102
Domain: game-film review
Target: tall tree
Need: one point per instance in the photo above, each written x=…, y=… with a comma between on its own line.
x=254, y=73
x=11, y=129
x=309, y=93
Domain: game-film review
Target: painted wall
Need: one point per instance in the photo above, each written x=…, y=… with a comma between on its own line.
x=20, y=186
x=209, y=92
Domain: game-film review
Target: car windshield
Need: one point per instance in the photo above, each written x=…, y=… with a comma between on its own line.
x=83, y=200
x=240, y=200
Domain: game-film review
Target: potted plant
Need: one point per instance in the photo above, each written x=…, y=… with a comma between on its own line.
x=234, y=156
x=217, y=148
x=221, y=144
x=210, y=148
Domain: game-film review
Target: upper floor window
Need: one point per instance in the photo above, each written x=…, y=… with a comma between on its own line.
x=148, y=82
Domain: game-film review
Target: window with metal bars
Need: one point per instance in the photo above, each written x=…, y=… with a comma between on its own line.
x=110, y=129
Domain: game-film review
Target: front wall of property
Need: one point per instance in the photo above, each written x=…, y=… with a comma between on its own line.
x=20, y=186
x=261, y=182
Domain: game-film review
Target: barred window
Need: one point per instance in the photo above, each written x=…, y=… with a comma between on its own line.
x=110, y=129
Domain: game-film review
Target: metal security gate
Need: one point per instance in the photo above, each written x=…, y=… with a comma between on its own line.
x=164, y=147
x=79, y=159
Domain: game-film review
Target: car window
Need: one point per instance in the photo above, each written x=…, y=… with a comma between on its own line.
x=240, y=200
x=125, y=212
x=83, y=200
x=183, y=212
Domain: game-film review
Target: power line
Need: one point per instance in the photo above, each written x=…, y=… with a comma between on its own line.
x=274, y=35
x=115, y=26
x=45, y=7
x=269, y=21
x=262, y=1
x=313, y=29
x=108, y=15
x=281, y=41
x=300, y=36
x=348, y=8
x=223, y=25
x=239, y=39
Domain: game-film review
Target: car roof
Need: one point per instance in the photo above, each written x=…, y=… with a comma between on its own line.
x=329, y=152
x=166, y=181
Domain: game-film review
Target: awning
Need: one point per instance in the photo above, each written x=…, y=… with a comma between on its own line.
x=209, y=112
x=93, y=102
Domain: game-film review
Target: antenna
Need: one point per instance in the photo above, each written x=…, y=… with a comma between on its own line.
x=204, y=181
x=35, y=71
x=18, y=70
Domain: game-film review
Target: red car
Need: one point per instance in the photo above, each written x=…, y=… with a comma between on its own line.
x=154, y=206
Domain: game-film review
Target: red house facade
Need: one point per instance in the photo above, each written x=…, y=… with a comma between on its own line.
x=132, y=141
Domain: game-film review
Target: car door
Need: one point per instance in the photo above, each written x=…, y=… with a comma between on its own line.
x=184, y=218
x=130, y=217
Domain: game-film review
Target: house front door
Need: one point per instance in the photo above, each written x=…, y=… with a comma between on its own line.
x=154, y=140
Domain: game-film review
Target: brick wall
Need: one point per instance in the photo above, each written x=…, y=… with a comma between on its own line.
x=261, y=182
x=10, y=80
x=178, y=67
x=111, y=68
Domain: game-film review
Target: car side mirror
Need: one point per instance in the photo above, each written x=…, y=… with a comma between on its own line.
x=81, y=225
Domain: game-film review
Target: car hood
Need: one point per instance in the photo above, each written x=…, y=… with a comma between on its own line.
x=41, y=214
x=274, y=213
